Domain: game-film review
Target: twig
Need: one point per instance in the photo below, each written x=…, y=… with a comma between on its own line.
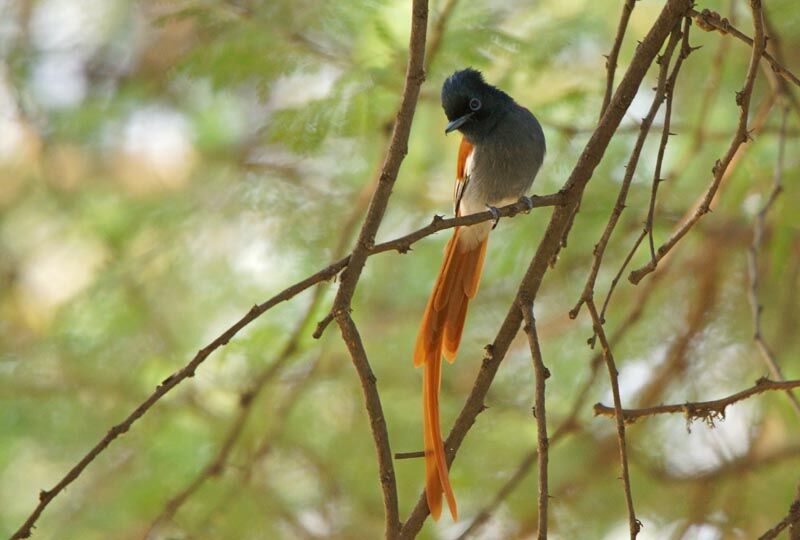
x=741, y=136
x=611, y=59
x=686, y=49
x=634, y=524
x=617, y=278
x=711, y=88
x=630, y=170
x=570, y=423
x=47, y=496
x=710, y=20
x=794, y=528
x=380, y=433
x=791, y=519
x=611, y=67
x=573, y=190
x=752, y=263
x=398, y=148
x=541, y=374
x=703, y=410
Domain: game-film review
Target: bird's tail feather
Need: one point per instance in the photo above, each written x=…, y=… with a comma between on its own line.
x=439, y=335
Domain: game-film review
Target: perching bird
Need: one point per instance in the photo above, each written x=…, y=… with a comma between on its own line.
x=501, y=151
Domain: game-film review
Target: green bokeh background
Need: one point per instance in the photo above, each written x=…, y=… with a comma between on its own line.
x=165, y=165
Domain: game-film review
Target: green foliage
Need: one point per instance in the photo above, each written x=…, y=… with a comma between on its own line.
x=200, y=156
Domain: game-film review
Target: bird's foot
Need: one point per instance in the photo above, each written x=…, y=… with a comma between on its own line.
x=495, y=215
x=527, y=201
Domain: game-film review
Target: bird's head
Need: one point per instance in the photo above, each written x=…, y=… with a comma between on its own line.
x=472, y=106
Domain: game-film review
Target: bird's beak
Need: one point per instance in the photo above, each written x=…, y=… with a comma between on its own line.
x=457, y=123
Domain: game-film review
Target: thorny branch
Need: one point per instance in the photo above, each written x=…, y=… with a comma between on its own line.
x=710, y=20
x=611, y=59
x=791, y=519
x=570, y=423
x=398, y=148
x=634, y=524
x=630, y=170
x=686, y=49
x=702, y=410
x=541, y=374
x=741, y=136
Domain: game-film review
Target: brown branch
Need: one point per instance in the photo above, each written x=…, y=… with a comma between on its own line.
x=791, y=519
x=710, y=20
x=630, y=170
x=570, y=423
x=686, y=49
x=398, y=148
x=438, y=223
x=707, y=411
x=611, y=59
x=634, y=524
x=794, y=528
x=752, y=263
x=741, y=136
x=573, y=190
x=617, y=278
x=47, y=496
x=380, y=433
x=611, y=67
x=541, y=374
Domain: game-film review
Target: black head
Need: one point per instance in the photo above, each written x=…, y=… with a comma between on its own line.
x=472, y=106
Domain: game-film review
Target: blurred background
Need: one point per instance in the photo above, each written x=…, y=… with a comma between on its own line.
x=164, y=165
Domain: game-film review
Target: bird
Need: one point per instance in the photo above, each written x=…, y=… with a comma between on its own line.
x=502, y=148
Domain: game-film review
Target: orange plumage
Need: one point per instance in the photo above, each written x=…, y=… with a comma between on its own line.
x=439, y=336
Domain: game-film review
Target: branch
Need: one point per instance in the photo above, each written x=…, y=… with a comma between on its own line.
x=634, y=524
x=630, y=170
x=438, y=223
x=541, y=374
x=611, y=67
x=47, y=496
x=570, y=423
x=710, y=21
x=791, y=519
x=611, y=59
x=573, y=191
x=686, y=50
x=398, y=148
x=741, y=136
x=708, y=411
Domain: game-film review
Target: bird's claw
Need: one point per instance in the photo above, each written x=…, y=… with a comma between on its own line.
x=495, y=215
x=527, y=201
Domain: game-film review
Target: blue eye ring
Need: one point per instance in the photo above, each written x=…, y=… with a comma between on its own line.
x=474, y=104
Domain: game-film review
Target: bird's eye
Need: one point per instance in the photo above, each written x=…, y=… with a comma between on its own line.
x=474, y=104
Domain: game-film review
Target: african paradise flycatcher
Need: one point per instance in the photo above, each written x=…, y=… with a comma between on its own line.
x=501, y=151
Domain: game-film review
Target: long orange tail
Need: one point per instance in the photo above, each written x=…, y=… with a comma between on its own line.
x=439, y=335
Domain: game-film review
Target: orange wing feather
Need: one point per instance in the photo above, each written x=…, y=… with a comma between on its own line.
x=440, y=335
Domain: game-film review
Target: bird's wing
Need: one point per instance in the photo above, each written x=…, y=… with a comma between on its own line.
x=462, y=174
